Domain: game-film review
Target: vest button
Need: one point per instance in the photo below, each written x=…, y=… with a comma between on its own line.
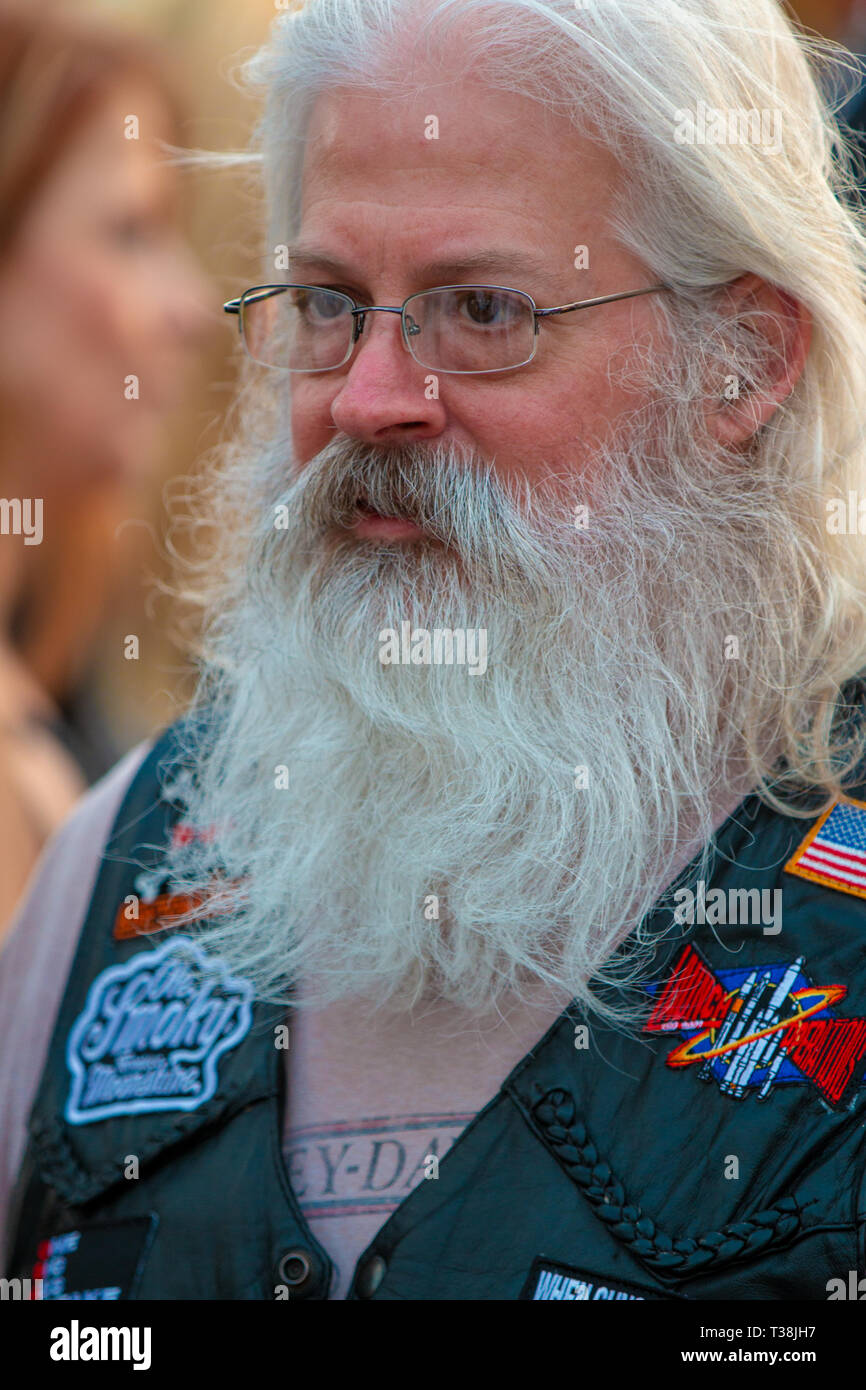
x=296, y=1269
x=370, y=1276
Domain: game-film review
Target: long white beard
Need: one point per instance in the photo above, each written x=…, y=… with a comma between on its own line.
x=467, y=836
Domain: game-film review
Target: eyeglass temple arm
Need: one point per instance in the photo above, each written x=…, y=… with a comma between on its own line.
x=233, y=306
x=605, y=299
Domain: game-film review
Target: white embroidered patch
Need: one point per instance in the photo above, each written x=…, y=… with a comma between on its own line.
x=555, y=1286
x=550, y=1280
x=151, y=1033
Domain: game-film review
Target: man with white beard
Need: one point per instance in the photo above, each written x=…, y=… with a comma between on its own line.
x=472, y=930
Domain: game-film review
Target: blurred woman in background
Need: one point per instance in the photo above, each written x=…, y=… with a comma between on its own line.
x=102, y=309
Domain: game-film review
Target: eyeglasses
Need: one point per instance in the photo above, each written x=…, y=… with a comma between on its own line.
x=460, y=329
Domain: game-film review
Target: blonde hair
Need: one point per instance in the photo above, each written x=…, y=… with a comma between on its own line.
x=55, y=69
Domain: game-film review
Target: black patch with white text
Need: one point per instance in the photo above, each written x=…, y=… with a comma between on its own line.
x=100, y=1261
x=550, y=1280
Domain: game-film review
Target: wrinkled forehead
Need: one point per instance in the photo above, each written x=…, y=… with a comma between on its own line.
x=452, y=157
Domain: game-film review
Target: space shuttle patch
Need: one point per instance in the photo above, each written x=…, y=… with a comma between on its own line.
x=756, y=1027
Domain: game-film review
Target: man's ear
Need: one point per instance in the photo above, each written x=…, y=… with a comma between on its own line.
x=737, y=409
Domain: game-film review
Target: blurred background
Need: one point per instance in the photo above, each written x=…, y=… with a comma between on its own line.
x=117, y=363
x=116, y=368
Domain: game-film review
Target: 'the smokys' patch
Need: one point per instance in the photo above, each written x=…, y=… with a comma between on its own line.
x=152, y=1032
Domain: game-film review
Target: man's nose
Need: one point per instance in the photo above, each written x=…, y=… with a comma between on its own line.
x=385, y=392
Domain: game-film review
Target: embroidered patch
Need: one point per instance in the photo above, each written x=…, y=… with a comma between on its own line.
x=155, y=905
x=143, y=916
x=756, y=1027
x=152, y=1031
x=550, y=1280
x=99, y=1261
x=834, y=851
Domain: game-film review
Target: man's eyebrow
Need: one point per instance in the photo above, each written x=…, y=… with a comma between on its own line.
x=492, y=261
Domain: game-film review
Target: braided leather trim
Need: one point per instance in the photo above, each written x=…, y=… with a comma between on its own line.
x=556, y=1114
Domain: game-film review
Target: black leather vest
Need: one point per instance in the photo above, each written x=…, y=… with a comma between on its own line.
x=718, y=1153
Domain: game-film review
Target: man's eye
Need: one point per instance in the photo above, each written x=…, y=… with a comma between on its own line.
x=317, y=304
x=484, y=309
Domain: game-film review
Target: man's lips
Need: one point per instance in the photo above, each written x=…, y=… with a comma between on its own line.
x=369, y=525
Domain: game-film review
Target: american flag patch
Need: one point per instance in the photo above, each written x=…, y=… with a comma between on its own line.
x=834, y=851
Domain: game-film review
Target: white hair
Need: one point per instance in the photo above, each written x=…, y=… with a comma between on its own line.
x=746, y=531
x=698, y=215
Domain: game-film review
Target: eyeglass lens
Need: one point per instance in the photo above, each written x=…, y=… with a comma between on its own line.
x=465, y=329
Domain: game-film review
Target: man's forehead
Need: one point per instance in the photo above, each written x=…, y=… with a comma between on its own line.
x=460, y=130
x=502, y=188
x=453, y=262
x=460, y=104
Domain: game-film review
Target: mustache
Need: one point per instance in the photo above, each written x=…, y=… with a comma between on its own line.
x=444, y=490
x=504, y=535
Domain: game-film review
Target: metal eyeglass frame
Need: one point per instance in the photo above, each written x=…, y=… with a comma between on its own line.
x=234, y=306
